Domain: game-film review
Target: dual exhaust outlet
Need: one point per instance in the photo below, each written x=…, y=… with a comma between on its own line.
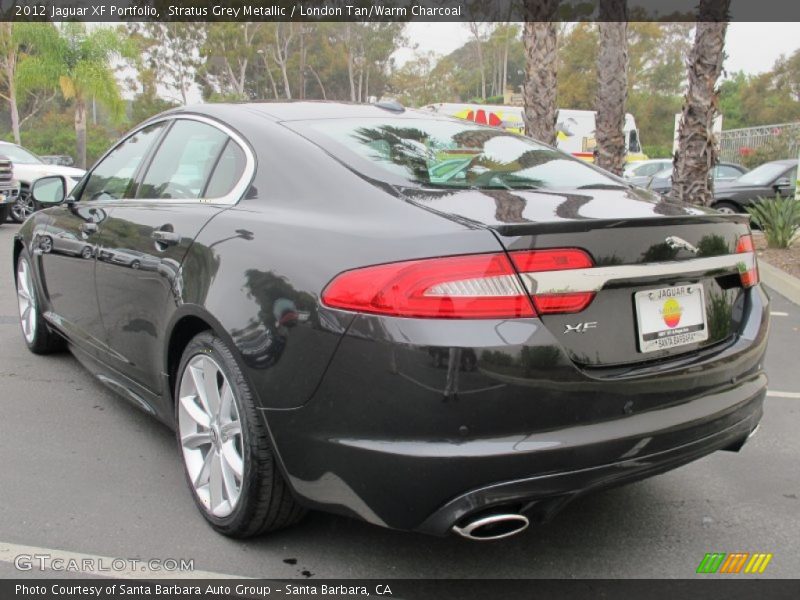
x=493, y=527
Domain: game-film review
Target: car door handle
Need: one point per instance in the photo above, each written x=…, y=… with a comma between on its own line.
x=88, y=228
x=168, y=238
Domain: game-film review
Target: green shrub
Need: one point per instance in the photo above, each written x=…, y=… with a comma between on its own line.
x=656, y=151
x=778, y=217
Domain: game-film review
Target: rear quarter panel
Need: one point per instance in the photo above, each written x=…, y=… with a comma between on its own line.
x=257, y=270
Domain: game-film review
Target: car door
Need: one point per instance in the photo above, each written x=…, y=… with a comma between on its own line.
x=785, y=184
x=69, y=245
x=195, y=172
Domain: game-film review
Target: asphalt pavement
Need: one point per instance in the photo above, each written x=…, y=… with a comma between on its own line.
x=85, y=472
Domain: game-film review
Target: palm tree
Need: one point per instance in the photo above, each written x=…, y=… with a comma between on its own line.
x=78, y=64
x=697, y=148
x=539, y=91
x=612, y=85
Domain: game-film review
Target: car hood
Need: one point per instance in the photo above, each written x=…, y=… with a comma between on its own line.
x=29, y=172
x=499, y=207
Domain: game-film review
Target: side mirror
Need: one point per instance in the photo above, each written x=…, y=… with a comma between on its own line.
x=782, y=183
x=49, y=191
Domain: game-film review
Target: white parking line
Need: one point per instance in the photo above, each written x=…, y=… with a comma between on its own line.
x=776, y=394
x=777, y=313
x=90, y=564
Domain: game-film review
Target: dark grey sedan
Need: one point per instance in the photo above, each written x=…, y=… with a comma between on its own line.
x=417, y=321
x=722, y=174
x=778, y=177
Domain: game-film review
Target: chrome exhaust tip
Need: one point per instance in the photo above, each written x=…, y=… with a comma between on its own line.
x=493, y=527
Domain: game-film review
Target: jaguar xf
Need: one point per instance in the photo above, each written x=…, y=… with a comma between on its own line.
x=417, y=321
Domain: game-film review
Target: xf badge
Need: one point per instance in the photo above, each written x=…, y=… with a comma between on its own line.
x=580, y=327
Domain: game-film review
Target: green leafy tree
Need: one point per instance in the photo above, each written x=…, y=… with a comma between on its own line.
x=171, y=52
x=78, y=63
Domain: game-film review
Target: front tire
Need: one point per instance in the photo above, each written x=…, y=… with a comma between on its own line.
x=227, y=455
x=37, y=334
x=727, y=208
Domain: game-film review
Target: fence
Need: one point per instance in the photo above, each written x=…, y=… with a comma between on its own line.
x=738, y=143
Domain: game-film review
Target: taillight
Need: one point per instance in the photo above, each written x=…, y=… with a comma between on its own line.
x=748, y=274
x=560, y=259
x=478, y=286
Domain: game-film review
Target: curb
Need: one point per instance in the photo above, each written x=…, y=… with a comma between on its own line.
x=780, y=281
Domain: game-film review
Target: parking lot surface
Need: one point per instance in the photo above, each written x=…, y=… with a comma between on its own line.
x=86, y=472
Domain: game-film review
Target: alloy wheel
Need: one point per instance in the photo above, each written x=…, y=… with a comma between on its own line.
x=22, y=208
x=211, y=435
x=26, y=299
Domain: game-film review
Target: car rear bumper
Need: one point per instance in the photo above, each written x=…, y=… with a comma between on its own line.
x=543, y=496
x=409, y=433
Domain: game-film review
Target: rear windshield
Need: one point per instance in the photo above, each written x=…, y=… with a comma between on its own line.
x=448, y=154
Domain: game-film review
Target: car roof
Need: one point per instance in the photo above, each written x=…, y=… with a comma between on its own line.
x=305, y=109
x=789, y=162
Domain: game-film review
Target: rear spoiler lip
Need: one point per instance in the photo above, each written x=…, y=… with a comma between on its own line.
x=581, y=225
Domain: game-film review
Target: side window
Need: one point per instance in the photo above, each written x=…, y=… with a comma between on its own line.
x=228, y=171
x=183, y=162
x=111, y=179
x=724, y=171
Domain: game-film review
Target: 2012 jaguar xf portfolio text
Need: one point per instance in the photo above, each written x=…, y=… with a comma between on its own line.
x=417, y=321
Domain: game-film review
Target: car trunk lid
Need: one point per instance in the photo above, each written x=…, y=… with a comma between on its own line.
x=665, y=276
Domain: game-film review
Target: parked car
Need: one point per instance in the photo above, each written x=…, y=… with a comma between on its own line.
x=130, y=258
x=724, y=172
x=640, y=172
x=357, y=332
x=27, y=168
x=9, y=188
x=65, y=242
x=765, y=181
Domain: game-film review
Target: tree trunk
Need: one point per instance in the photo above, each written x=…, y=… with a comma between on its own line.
x=474, y=28
x=612, y=85
x=539, y=91
x=350, y=60
x=80, y=131
x=505, y=62
x=286, y=87
x=319, y=82
x=13, y=109
x=697, y=146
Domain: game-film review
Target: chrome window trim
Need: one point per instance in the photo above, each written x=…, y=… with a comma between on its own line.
x=230, y=199
x=595, y=278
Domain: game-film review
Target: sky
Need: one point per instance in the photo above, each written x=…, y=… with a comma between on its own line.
x=751, y=47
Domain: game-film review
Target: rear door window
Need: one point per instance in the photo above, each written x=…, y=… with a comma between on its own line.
x=183, y=162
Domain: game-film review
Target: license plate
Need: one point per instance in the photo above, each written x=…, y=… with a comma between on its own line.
x=670, y=317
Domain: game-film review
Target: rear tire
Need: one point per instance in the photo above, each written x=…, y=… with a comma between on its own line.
x=727, y=208
x=37, y=334
x=4, y=210
x=251, y=495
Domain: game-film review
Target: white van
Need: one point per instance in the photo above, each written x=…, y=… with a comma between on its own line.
x=576, y=128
